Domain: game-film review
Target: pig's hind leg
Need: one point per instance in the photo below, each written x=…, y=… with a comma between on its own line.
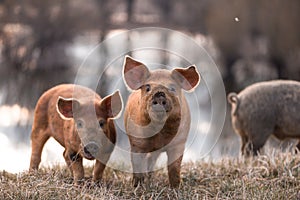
x=257, y=139
x=244, y=141
x=38, y=139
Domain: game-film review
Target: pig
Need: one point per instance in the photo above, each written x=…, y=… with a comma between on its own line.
x=157, y=116
x=264, y=109
x=79, y=120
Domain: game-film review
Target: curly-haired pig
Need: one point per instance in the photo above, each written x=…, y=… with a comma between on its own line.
x=157, y=117
x=263, y=109
x=81, y=121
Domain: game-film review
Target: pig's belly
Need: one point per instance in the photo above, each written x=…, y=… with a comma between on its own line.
x=158, y=142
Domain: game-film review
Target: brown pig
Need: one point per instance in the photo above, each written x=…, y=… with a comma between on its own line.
x=81, y=121
x=264, y=109
x=157, y=117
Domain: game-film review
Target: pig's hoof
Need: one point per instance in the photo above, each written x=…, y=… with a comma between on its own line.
x=98, y=183
x=175, y=185
x=93, y=184
x=79, y=182
x=137, y=181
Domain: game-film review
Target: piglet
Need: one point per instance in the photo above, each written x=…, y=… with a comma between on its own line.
x=79, y=120
x=157, y=117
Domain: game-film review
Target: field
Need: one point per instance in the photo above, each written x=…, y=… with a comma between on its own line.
x=263, y=177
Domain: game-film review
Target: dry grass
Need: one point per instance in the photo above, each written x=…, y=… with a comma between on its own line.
x=263, y=177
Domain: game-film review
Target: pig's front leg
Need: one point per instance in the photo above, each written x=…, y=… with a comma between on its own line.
x=98, y=171
x=68, y=160
x=174, y=164
x=139, y=166
x=100, y=166
x=151, y=161
x=74, y=161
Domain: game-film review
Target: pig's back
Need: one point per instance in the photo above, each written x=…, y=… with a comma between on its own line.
x=271, y=94
x=69, y=91
x=46, y=105
x=272, y=102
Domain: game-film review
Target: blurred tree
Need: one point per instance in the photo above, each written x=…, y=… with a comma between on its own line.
x=129, y=10
x=44, y=24
x=237, y=25
x=228, y=27
x=34, y=36
x=280, y=23
x=105, y=12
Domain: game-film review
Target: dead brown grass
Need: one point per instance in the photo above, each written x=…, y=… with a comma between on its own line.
x=263, y=177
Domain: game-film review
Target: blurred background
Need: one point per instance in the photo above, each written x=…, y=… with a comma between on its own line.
x=43, y=43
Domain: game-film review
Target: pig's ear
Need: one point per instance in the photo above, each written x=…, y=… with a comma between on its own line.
x=66, y=106
x=135, y=73
x=187, y=78
x=112, y=104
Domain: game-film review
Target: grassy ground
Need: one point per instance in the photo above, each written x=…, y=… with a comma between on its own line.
x=263, y=177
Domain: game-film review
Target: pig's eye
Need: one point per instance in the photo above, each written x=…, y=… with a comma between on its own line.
x=172, y=89
x=101, y=123
x=148, y=88
x=79, y=124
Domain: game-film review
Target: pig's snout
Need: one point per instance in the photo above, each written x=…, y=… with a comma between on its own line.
x=159, y=98
x=91, y=150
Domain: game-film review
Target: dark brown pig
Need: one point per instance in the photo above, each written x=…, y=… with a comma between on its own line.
x=263, y=109
x=81, y=121
x=157, y=117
